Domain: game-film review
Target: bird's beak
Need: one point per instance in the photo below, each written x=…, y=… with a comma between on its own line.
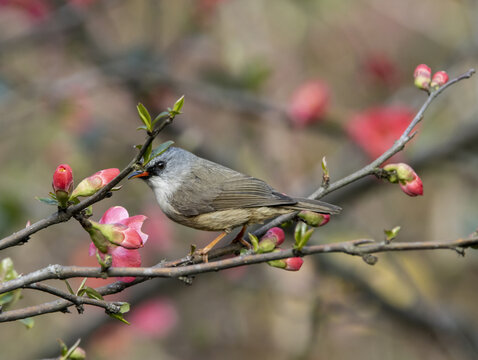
x=138, y=174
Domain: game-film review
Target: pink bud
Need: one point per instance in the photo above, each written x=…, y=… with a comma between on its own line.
x=63, y=178
x=270, y=240
x=276, y=234
x=293, y=263
x=439, y=79
x=62, y=183
x=413, y=187
x=309, y=103
x=290, y=264
x=422, y=75
x=407, y=178
x=314, y=219
x=95, y=182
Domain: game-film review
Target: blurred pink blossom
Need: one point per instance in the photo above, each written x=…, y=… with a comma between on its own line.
x=154, y=318
x=376, y=129
x=309, y=103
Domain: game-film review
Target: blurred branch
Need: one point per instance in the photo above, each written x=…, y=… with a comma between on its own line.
x=360, y=247
x=63, y=215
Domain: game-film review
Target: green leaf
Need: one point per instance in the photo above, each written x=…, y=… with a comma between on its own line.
x=304, y=239
x=160, y=149
x=70, y=350
x=28, y=322
x=124, y=308
x=254, y=241
x=64, y=348
x=70, y=290
x=47, y=201
x=81, y=287
x=93, y=294
x=391, y=234
x=178, y=105
x=324, y=166
x=6, y=298
x=142, y=127
x=119, y=317
x=139, y=146
x=161, y=116
x=300, y=229
x=147, y=154
x=144, y=115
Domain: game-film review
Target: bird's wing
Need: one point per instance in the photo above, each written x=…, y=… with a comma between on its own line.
x=222, y=189
x=242, y=191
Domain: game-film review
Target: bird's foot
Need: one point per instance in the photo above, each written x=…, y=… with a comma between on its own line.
x=239, y=238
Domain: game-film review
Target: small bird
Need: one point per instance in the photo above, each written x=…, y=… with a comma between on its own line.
x=201, y=194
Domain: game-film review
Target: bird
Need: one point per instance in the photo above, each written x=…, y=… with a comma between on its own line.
x=204, y=195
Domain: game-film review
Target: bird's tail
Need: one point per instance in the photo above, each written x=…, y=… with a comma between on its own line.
x=315, y=206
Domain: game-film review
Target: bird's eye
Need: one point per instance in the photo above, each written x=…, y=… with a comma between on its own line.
x=160, y=165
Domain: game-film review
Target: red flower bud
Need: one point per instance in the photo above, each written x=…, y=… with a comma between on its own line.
x=407, y=178
x=62, y=183
x=422, y=75
x=95, y=182
x=290, y=264
x=309, y=103
x=63, y=178
x=314, y=219
x=439, y=79
x=273, y=237
x=293, y=263
x=413, y=187
x=276, y=234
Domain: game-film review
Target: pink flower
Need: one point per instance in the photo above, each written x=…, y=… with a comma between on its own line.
x=407, y=178
x=154, y=318
x=62, y=183
x=309, y=103
x=439, y=79
x=126, y=231
x=422, y=76
x=95, y=182
x=376, y=129
x=119, y=235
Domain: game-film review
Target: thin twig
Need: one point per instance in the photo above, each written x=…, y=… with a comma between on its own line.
x=78, y=301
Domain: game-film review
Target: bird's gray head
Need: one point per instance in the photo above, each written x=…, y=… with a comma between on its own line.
x=165, y=173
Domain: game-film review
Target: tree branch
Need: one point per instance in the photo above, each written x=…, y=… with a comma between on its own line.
x=360, y=247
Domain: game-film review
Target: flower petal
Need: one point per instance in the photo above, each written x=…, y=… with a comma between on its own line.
x=125, y=258
x=135, y=222
x=114, y=215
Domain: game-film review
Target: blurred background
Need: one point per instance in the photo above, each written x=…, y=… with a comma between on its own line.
x=271, y=86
